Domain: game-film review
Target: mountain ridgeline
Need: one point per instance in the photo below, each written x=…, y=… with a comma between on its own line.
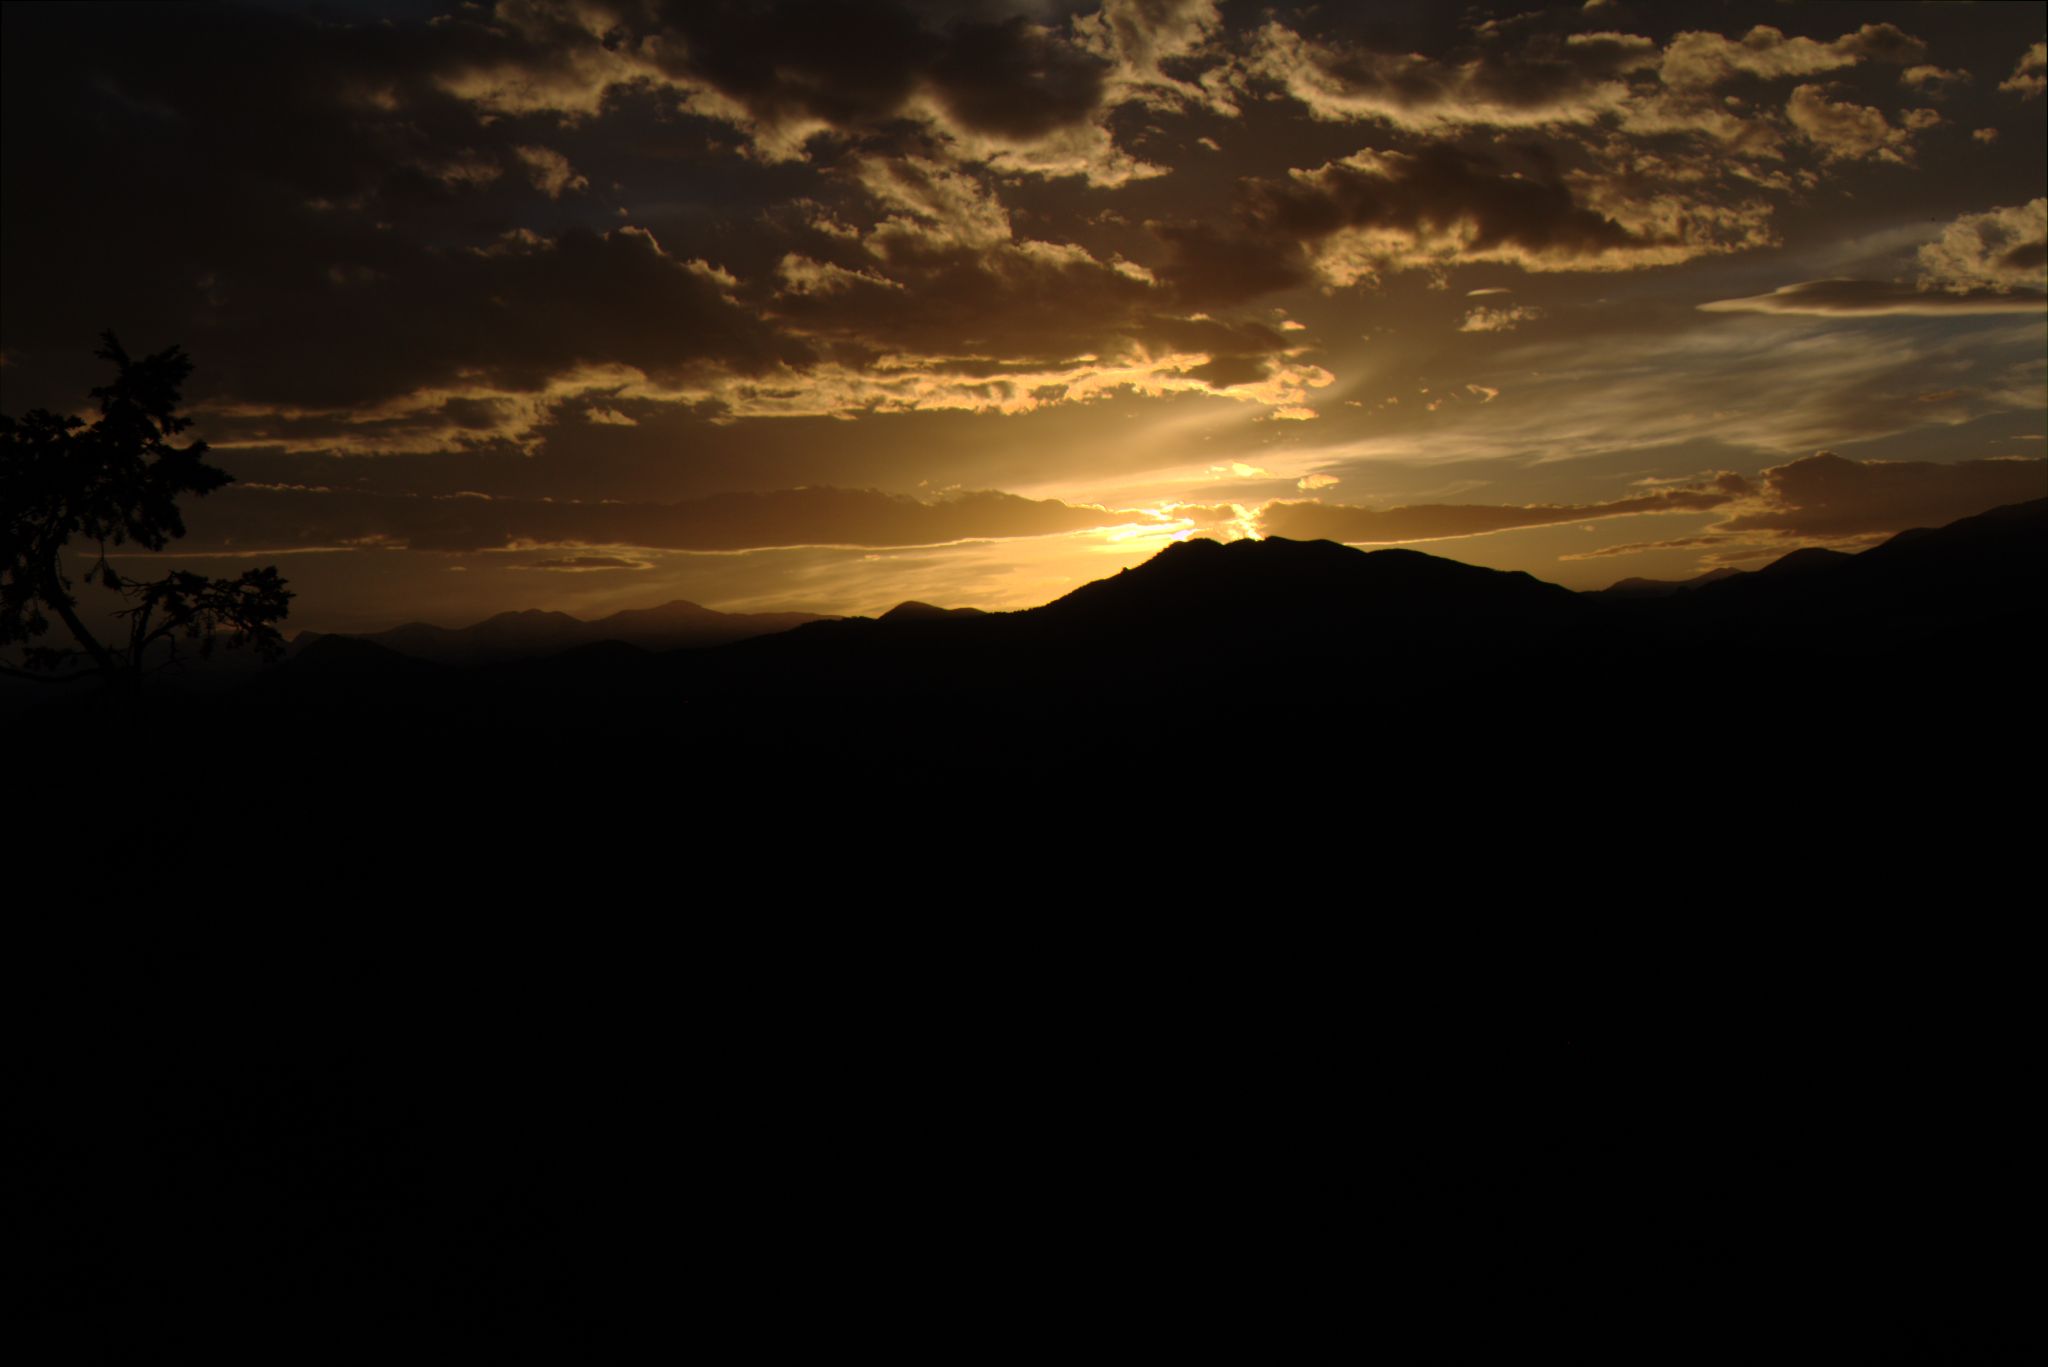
x=677, y=625
x=1207, y=641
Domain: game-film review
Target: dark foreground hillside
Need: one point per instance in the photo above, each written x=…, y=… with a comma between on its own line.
x=1273, y=950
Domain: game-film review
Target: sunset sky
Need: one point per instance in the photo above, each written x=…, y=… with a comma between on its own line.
x=596, y=304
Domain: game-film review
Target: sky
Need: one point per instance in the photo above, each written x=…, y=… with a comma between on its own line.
x=599, y=304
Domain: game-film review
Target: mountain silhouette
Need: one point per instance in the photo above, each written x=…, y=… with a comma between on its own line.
x=1980, y=573
x=912, y=611
x=1278, y=589
x=532, y=632
x=1664, y=588
x=1445, y=663
x=1808, y=560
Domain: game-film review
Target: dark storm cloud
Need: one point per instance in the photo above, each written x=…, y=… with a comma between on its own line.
x=269, y=518
x=1424, y=522
x=1827, y=495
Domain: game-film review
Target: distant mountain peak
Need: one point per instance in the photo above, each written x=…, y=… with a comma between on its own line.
x=911, y=610
x=1807, y=559
x=1664, y=588
x=538, y=632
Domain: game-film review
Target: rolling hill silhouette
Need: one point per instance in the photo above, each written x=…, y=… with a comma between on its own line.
x=516, y=635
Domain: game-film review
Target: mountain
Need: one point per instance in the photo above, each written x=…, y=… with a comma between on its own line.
x=1248, y=657
x=914, y=611
x=518, y=635
x=1198, y=617
x=1281, y=585
x=1970, y=572
x=1664, y=588
x=1809, y=560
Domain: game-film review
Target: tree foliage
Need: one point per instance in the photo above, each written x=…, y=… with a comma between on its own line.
x=114, y=482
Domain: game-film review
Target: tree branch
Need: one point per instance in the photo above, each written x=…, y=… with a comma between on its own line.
x=56, y=597
x=11, y=672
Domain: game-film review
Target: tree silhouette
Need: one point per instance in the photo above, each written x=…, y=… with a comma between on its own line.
x=114, y=481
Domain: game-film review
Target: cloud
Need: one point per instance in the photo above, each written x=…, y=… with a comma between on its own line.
x=1022, y=97
x=620, y=234
x=587, y=564
x=1699, y=61
x=1873, y=298
x=462, y=175
x=1994, y=262
x=1932, y=80
x=1542, y=79
x=1014, y=79
x=1747, y=382
x=786, y=71
x=1822, y=496
x=252, y=518
x=2004, y=249
x=550, y=171
x=799, y=274
x=1516, y=75
x=1207, y=266
x=1851, y=132
x=2030, y=77
x=1498, y=320
x=1373, y=213
x=1141, y=37
x=1827, y=498
x=931, y=207
x=1826, y=495
x=513, y=317
x=1210, y=514
x=1429, y=522
x=1676, y=543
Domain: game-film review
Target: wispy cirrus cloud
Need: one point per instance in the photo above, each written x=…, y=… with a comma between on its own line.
x=252, y=517
x=1877, y=298
x=1992, y=262
x=1439, y=521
